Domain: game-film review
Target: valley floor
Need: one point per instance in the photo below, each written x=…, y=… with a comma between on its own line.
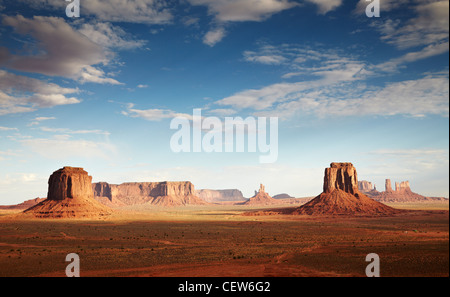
x=220, y=241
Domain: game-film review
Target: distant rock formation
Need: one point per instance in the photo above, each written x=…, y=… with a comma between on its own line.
x=213, y=196
x=341, y=196
x=69, y=195
x=282, y=196
x=24, y=205
x=388, y=185
x=365, y=186
x=152, y=193
x=402, y=187
x=261, y=198
x=401, y=194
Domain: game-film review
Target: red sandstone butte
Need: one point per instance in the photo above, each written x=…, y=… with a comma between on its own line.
x=341, y=196
x=69, y=195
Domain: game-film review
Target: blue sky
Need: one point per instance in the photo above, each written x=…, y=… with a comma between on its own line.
x=99, y=91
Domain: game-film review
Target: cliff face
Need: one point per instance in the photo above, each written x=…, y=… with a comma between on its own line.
x=220, y=195
x=71, y=183
x=341, y=196
x=340, y=176
x=177, y=193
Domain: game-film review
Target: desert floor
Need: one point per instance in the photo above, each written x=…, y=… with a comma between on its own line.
x=221, y=241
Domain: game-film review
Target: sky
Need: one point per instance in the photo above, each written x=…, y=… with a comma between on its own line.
x=100, y=91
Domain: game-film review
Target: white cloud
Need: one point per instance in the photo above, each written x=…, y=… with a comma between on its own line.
x=426, y=52
x=38, y=120
x=326, y=6
x=95, y=75
x=429, y=25
x=248, y=10
x=328, y=67
x=153, y=115
x=7, y=129
x=110, y=36
x=267, y=56
x=69, y=131
x=331, y=83
x=62, y=51
x=132, y=11
x=15, y=96
x=214, y=36
x=416, y=98
x=226, y=11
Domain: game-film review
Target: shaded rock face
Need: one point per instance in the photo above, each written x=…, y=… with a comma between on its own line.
x=69, y=182
x=157, y=193
x=340, y=176
x=341, y=196
x=220, y=195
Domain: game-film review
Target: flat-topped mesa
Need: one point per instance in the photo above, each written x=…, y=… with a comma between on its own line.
x=341, y=176
x=220, y=195
x=157, y=193
x=69, y=182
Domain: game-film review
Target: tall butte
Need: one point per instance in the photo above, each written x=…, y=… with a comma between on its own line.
x=341, y=196
x=69, y=195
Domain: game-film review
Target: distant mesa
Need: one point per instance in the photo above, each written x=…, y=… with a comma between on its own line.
x=69, y=195
x=24, y=205
x=402, y=193
x=166, y=194
x=341, y=196
x=215, y=196
x=283, y=196
x=261, y=198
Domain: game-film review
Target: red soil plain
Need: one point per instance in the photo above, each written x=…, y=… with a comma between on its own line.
x=329, y=236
